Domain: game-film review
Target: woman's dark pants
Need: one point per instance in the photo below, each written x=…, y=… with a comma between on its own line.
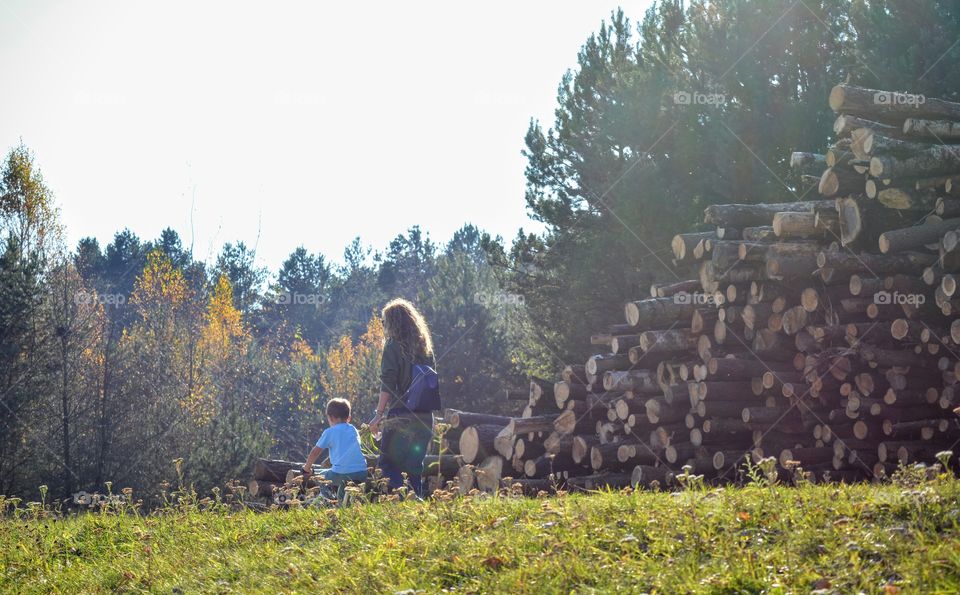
x=403, y=445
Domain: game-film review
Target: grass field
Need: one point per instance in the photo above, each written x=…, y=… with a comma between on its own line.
x=898, y=537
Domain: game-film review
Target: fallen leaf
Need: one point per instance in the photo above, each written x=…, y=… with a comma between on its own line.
x=493, y=562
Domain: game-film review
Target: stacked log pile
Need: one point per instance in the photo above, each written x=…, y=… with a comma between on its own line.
x=823, y=333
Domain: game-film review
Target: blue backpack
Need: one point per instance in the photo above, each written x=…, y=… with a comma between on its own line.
x=424, y=392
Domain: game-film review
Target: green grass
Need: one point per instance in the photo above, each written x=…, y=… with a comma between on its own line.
x=753, y=539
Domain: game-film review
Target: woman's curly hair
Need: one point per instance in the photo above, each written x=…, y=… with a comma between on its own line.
x=403, y=323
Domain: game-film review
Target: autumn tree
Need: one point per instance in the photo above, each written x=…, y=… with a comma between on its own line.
x=352, y=369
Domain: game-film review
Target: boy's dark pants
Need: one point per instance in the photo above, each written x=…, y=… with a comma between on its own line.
x=340, y=480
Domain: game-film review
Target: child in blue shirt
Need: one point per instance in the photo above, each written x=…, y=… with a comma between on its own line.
x=341, y=438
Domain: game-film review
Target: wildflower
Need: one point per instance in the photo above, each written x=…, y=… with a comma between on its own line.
x=944, y=457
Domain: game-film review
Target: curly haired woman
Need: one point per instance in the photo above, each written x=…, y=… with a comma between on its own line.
x=406, y=433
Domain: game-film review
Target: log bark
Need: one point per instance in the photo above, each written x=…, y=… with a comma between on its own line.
x=547, y=464
x=599, y=364
x=807, y=163
x=638, y=382
x=719, y=390
x=862, y=222
x=477, y=442
x=659, y=411
x=557, y=442
x=891, y=357
x=466, y=479
x=744, y=216
x=936, y=130
x=529, y=449
x=519, y=426
x=574, y=373
x=845, y=124
x=668, y=341
x=762, y=234
x=275, y=471
x=621, y=344
x=844, y=264
x=948, y=207
x=763, y=415
x=580, y=450
x=875, y=143
x=835, y=180
x=838, y=154
x=489, y=473
x=889, y=105
x=464, y=419
x=796, y=225
x=657, y=312
x=259, y=488
x=936, y=161
x=658, y=290
x=599, y=481
x=906, y=198
x=447, y=465
x=648, y=476
x=684, y=243
x=539, y=389
x=916, y=236
x=570, y=423
x=564, y=391
x=604, y=456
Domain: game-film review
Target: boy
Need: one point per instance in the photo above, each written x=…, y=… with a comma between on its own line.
x=343, y=441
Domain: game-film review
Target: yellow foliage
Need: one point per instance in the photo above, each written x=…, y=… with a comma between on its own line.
x=222, y=339
x=305, y=363
x=160, y=288
x=352, y=369
x=224, y=325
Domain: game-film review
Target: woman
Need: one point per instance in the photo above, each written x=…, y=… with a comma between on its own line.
x=406, y=434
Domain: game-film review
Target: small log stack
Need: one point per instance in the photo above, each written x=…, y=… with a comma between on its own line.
x=280, y=481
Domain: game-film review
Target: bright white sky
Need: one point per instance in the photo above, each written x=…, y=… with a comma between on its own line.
x=285, y=123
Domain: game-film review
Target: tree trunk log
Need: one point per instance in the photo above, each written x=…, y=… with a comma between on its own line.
x=477, y=442
x=916, y=236
x=889, y=105
x=936, y=161
x=936, y=130
x=658, y=312
x=843, y=264
x=465, y=419
x=744, y=216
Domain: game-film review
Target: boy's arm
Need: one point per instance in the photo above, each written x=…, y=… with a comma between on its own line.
x=311, y=458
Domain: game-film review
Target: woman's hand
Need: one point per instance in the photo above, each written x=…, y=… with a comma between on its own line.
x=375, y=424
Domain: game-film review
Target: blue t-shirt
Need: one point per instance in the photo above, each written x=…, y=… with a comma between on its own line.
x=344, y=444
